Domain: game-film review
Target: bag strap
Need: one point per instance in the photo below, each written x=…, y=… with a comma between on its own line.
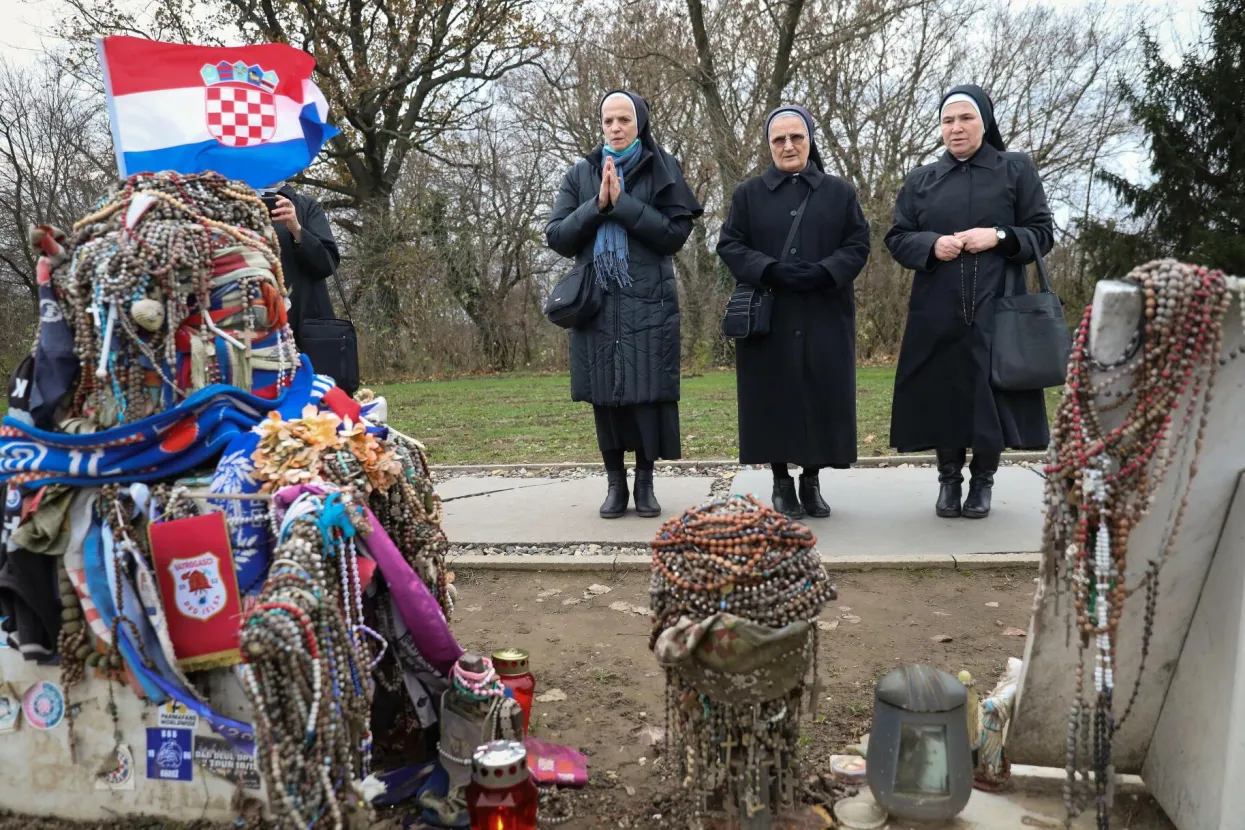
x=337, y=281
x=1009, y=290
x=795, y=225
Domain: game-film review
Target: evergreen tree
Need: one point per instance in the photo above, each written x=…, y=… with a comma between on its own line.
x=1194, y=208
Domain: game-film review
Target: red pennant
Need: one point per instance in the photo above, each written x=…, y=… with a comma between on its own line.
x=198, y=589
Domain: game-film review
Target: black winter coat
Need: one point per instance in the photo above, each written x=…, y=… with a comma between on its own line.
x=943, y=397
x=797, y=384
x=630, y=353
x=309, y=263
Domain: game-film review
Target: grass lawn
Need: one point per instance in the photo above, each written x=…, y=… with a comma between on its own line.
x=530, y=418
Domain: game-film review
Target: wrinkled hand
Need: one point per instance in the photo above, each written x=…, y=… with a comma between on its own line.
x=285, y=214
x=603, y=198
x=611, y=188
x=978, y=239
x=615, y=184
x=948, y=248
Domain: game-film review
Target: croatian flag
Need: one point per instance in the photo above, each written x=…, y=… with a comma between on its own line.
x=246, y=112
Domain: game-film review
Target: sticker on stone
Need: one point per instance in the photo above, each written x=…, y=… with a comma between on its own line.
x=10, y=708
x=219, y=758
x=174, y=715
x=170, y=754
x=117, y=772
x=44, y=705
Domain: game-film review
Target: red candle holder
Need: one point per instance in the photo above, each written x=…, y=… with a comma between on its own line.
x=513, y=666
x=502, y=795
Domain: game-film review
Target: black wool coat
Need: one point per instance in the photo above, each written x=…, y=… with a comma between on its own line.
x=797, y=384
x=307, y=265
x=943, y=397
x=630, y=353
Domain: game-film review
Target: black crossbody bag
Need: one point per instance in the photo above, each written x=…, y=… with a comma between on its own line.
x=749, y=309
x=332, y=346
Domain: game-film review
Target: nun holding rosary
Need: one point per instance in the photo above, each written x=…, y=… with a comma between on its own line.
x=623, y=211
x=967, y=225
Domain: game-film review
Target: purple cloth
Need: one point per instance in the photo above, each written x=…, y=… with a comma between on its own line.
x=417, y=606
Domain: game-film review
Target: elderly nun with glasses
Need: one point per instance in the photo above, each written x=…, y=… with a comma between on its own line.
x=626, y=210
x=963, y=224
x=797, y=234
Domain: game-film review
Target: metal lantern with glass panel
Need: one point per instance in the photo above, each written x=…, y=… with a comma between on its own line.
x=920, y=762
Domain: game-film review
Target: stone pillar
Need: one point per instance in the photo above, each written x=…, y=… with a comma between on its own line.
x=1038, y=733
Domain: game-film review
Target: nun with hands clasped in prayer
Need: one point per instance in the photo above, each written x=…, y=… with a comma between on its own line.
x=964, y=224
x=797, y=384
x=625, y=210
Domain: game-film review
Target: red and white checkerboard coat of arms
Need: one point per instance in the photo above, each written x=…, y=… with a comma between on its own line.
x=241, y=115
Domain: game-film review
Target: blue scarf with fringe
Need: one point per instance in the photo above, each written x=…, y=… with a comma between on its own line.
x=609, y=251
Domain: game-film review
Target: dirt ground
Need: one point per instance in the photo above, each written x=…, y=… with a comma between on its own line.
x=610, y=692
x=598, y=657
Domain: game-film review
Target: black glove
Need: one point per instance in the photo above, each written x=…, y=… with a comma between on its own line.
x=798, y=276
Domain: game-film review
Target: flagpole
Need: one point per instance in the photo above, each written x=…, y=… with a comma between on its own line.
x=113, y=124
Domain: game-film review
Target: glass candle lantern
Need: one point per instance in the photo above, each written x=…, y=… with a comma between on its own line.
x=502, y=795
x=920, y=765
x=513, y=667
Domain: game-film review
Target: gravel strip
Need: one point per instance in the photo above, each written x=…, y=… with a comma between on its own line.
x=720, y=471
x=547, y=548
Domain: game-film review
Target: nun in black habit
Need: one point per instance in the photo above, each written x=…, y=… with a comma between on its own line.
x=797, y=384
x=963, y=224
x=624, y=210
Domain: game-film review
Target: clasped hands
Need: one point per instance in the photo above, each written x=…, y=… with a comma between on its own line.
x=797, y=276
x=972, y=241
x=611, y=186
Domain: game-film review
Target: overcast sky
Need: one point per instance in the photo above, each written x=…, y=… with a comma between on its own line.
x=26, y=24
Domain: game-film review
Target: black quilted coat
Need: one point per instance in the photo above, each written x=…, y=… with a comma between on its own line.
x=630, y=352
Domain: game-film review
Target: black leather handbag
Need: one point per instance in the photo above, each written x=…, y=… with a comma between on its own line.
x=332, y=346
x=575, y=300
x=749, y=310
x=1031, y=342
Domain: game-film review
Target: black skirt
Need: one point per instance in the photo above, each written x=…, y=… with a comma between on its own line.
x=650, y=427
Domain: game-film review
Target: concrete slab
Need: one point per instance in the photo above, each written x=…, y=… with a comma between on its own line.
x=888, y=512
x=458, y=488
x=992, y=811
x=564, y=511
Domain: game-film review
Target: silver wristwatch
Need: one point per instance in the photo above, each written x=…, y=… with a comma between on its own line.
x=1001, y=233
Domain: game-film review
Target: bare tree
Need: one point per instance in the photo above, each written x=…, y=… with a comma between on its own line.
x=398, y=74
x=54, y=163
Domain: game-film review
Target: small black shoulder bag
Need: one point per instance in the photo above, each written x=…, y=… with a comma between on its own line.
x=749, y=309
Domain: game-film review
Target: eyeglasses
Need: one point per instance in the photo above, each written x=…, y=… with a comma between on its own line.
x=796, y=140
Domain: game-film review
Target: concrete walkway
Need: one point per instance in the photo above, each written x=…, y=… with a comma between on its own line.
x=878, y=512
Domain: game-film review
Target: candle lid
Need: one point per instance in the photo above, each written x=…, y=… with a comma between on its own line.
x=511, y=661
x=499, y=764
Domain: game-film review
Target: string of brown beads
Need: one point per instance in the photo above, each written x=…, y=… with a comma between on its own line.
x=148, y=276
x=739, y=557
x=309, y=684
x=1101, y=482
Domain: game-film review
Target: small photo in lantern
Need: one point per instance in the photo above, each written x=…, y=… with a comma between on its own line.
x=920, y=762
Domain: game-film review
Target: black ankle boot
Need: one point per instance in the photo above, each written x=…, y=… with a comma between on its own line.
x=950, y=480
x=785, y=501
x=810, y=497
x=615, y=503
x=645, y=502
x=980, y=484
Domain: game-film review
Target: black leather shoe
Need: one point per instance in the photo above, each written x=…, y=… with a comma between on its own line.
x=950, y=480
x=616, y=497
x=810, y=497
x=980, y=485
x=784, y=499
x=645, y=502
